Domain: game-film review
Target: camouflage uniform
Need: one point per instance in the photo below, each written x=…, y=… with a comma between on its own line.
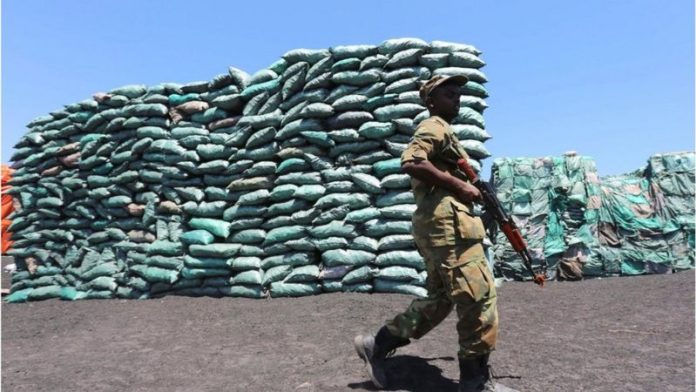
x=449, y=238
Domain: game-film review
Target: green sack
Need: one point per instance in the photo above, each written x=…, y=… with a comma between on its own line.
x=354, y=201
x=379, y=227
x=362, y=215
x=99, y=283
x=44, y=292
x=364, y=243
x=360, y=275
x=249, y=277
x=286, y=207
x=401, y=257
x=283, y=234
x=18, y=296
x=217, y=227
x=244, y=263
x=434, y=60
x=243, y=224
x=302, y=245
x=333, y=229
x=269, y=87
x=324, y=244
x=165, y=248
x=356, y=78
x=400, y=110
x=367, y=182
x=195, y=273
x=248, y=184
x=244, y=291
x=261, y=137
x=395, y=286
x=475, y=89
x=350, y=102
x=396, y=241
x=310, y=192
x=470, y=132
x=282, y=289
x=205, y=209
x=398, y=211
x=334, y=214
x=292, y=259
x=276, y=273
x=306, y=273
x=394, y=45
x=384, y=168
x=394, y=198
x=356, y=258
x=400, y=273
x=205, y=262
x=215, y=250
x=249, y=236
x=91, y=271
x=465, y=60
x=299, y=178
x=292, y=165
x=405, y=58
x=253, y=198
x=130, y=91
x=155, y=274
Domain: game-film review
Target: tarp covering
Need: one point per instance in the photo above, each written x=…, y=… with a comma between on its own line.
x=583, y=226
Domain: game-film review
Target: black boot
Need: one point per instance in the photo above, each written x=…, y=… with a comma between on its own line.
x=489, y=385
x=471, y=377
x=374, y=350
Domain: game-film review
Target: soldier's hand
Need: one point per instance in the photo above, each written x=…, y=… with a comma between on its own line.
x=468, y=193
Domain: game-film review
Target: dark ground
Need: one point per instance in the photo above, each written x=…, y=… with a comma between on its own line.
x=618, y=334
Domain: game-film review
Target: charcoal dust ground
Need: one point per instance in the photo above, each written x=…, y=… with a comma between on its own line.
x=612, y=334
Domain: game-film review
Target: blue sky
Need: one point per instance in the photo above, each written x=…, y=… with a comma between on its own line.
x=613, y=80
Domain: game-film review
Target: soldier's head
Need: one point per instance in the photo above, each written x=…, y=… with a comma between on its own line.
x=441, y=95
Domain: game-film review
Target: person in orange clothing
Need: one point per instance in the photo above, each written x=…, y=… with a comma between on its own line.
x=7, y=207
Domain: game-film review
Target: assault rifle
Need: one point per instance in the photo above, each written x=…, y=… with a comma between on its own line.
x=507, y=225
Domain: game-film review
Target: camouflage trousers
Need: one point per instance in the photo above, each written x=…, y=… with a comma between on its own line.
x=458, y=277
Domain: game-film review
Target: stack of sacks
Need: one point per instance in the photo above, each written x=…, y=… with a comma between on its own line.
x=555, y=203
x=286, y=182
x=571, y=206
x=630, y=231
x=325, y=177
x=632, y=224
x=100, y=186
x=646, y=220
x=672, y=186
x=522, y=186
x=76, y=185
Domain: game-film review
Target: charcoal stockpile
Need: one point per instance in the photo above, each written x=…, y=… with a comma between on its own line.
x=582, y=225
x=555, y=202
x=285, y=182
x=647, y=218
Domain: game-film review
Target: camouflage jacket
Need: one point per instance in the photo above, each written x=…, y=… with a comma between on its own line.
x=440, y=219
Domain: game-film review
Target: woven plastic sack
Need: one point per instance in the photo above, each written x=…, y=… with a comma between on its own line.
x=356, y=258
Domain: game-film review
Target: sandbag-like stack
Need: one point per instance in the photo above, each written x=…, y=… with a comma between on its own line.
x=286, y=182
x=630, y=231
x=554, y=201
x=647, y=218
x=673, y=189
x=584, y=226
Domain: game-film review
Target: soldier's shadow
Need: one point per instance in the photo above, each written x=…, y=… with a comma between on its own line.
x=415, y=374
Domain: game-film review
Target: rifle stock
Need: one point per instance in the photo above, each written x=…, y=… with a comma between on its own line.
x=507, y=225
